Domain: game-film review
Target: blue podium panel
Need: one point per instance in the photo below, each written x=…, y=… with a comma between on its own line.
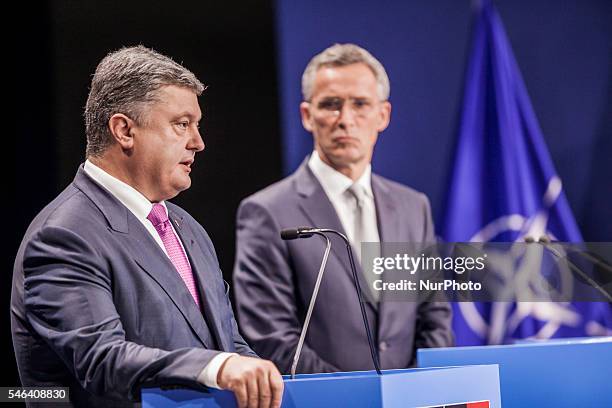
x=555, y=373
x=421, y=387
x=441, y=388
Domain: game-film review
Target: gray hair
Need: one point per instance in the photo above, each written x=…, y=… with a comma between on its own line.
x=339, y=55
x=127, y=81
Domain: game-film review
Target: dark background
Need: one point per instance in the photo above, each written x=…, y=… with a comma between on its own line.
x=231, y=46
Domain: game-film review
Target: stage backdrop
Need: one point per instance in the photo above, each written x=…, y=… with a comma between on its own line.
x=563, y=49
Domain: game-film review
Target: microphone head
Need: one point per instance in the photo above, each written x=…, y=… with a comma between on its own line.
x=304, y=232
x=293, y=233
x=545, y=239
x=289, y=234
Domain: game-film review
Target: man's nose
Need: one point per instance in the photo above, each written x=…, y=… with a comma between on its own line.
x=346, y=115
x=197, y=143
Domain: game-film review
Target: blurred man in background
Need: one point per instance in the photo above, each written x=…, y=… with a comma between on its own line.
x=345, y=107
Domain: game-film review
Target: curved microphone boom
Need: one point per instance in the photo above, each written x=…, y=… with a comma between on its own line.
x=546, y=242
x=307, y=232
x=594, y=258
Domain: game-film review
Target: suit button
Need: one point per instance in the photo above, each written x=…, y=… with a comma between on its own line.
x=383, y=345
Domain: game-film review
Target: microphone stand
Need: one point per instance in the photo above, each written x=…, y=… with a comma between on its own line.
x=313, y=299
x=306, y=232
x=375, y=357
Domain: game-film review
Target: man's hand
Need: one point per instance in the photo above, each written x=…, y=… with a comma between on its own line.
x=255, y=382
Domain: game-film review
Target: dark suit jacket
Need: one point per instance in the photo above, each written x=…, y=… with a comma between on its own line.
x=274, y=280
x=97, y=306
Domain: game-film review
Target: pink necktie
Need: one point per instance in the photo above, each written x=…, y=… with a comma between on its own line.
x=159, y=219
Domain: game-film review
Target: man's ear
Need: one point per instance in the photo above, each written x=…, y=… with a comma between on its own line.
x=385, y=116
x=120, y=127
x=306, y=116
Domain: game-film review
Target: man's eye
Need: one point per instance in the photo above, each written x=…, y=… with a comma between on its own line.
x=183, y=125
x=360, y=103
x=331, y=104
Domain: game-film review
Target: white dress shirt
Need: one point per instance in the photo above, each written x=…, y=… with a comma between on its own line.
x=140, y=206
x=335, y=185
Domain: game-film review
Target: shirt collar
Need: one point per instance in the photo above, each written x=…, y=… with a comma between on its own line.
x=335, y=183
x=137, y=203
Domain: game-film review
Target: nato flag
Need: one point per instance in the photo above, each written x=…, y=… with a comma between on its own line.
x=503, y=187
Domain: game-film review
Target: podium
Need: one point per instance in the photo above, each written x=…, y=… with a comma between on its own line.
x=554, y=373
x=420, y=387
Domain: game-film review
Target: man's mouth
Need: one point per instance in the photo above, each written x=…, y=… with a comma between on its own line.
x=187, y=163
x=344, y=139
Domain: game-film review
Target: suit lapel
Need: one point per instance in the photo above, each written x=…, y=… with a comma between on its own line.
x=156, y=264
x=389, y=230
x=146, y=252
x=203, y=270
x=386, y=211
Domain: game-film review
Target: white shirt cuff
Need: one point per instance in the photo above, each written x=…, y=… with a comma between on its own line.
x=208, y=376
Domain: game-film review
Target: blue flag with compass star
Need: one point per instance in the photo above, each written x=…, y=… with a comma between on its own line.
x=503, y=187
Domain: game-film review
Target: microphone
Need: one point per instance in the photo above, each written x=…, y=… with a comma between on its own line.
x=547, y=243
x=596, y=259
x=307, y=232
x=294, y=233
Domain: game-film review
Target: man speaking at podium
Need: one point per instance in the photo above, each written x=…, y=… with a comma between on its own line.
x=114, y=288
x=345, y=107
